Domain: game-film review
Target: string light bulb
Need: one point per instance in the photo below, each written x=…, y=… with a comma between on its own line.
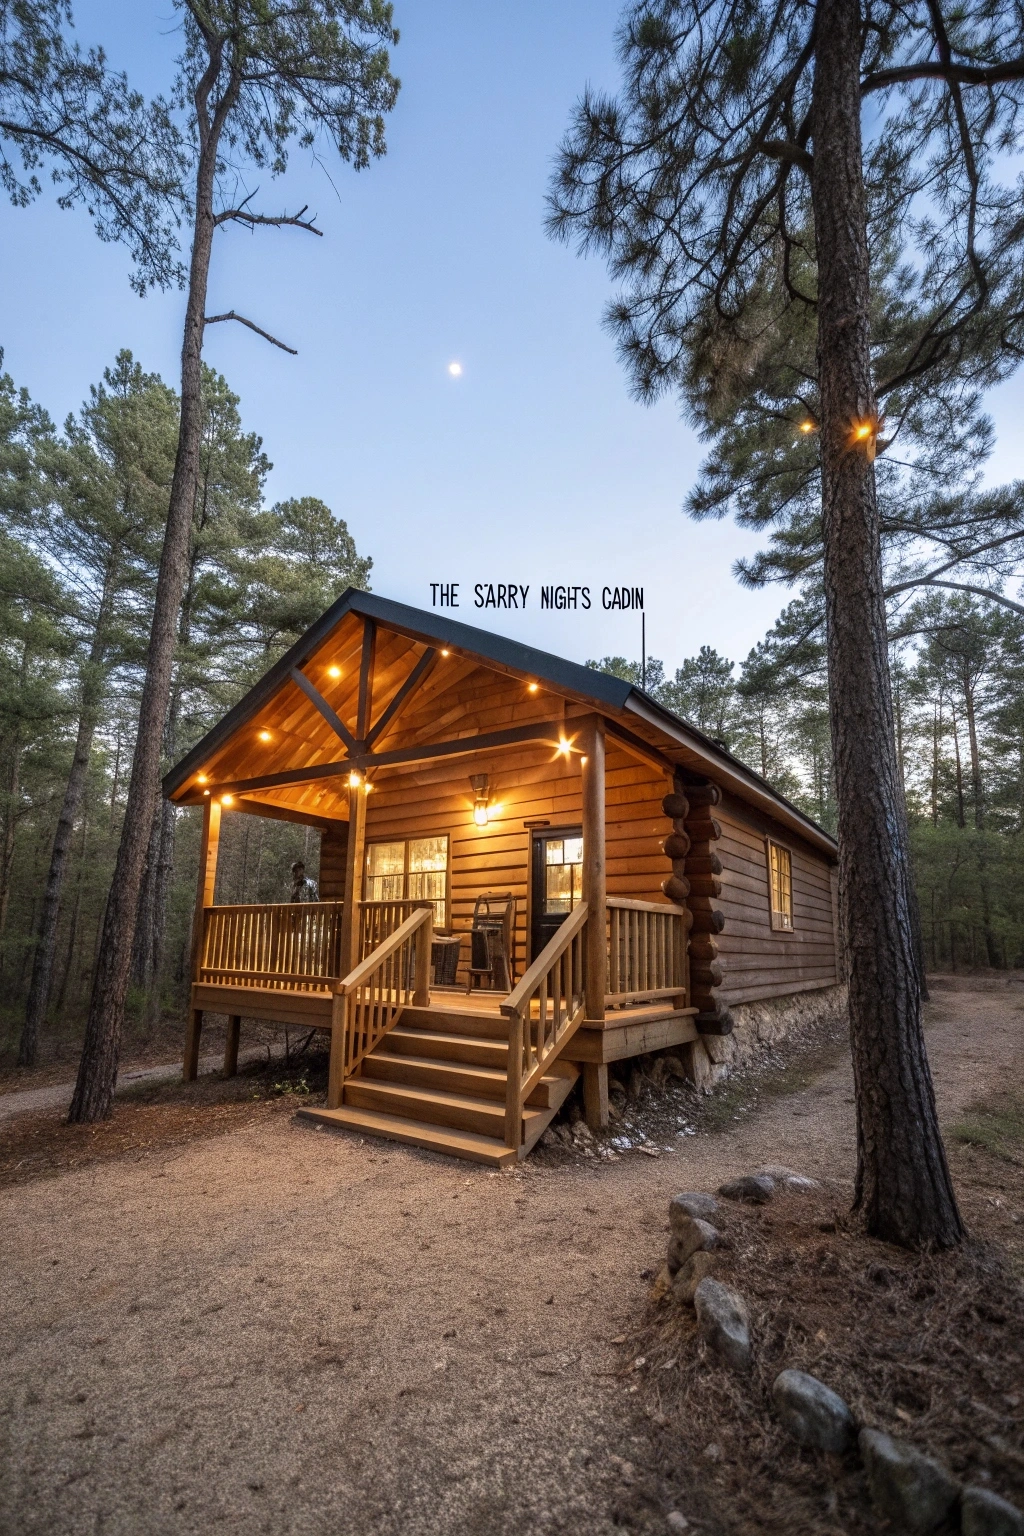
x=807, y=426
x=355, y=779
x=265, y=736
x=333, y=671
x=201, y=778
x=227, y=799
x=565, y=747
x=532, y=687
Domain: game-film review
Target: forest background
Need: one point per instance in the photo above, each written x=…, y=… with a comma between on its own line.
x=82, y=511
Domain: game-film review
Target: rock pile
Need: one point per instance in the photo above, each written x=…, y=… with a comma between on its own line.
x=911, y=1491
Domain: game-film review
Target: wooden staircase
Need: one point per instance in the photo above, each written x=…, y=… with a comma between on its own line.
x=438, y=1079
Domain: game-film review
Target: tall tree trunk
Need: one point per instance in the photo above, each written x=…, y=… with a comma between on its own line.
x=961, y=814
x=936, y=730
x=903, y=1185
x=46, y=939
x=164, y=874
x=97, y=1073
x=10, y=822
x=142, y=942
x=972, y=738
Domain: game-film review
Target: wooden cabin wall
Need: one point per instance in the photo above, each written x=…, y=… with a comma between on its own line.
x=758, y=961
x=333, y=847
x=524, y=786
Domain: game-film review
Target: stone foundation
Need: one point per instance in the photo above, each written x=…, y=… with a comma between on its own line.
x=759, y=1027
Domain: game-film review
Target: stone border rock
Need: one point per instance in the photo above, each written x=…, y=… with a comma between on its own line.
x=912, y=1491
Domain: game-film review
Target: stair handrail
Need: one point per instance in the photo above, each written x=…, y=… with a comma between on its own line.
x=368, y=1002
x=555, y=977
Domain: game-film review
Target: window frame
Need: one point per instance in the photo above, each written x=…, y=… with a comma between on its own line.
x=777, y=919
x=374, y=842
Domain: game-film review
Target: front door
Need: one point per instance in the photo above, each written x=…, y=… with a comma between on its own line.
x=556, y=882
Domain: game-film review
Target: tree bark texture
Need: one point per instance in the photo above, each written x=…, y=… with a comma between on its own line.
x=903, y=1185
x=97, y=1073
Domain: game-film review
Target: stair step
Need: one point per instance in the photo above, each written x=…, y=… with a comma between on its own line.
x=417, y=1133
x=456, y=1021
x=458, y=1111
x=439, y=1045
x=470, y=1080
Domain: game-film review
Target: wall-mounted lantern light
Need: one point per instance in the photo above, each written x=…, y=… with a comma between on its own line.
x=481, y=804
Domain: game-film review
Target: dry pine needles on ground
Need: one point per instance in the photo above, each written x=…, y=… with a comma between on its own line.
x=926, y=1347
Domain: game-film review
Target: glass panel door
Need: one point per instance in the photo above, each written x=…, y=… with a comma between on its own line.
x=556, y=883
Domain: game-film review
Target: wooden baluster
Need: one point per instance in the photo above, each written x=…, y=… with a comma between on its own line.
x=514, y=1082
x=424, y=938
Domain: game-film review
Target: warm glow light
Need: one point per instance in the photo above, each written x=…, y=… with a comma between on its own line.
x=367, y=786
x=455, y=369
x=480, y=815
x=533, y=687
x=444, y=653
x=354, y=779
x=264, y=735
x=206, y=791
x=227, y=799
x=565, y=747
x=807, y=426
x=333, y=671
x=201, y=778
x=863, y=430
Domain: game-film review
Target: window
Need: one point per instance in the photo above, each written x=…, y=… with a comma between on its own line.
x=563, y=873
x=416, y=870
x=780, y=883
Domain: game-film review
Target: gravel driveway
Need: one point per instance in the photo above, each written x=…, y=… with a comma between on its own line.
x=284, y=1330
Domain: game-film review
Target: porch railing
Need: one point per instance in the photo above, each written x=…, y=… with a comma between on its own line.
x=647, y=952
x=379, y=919
x=542, y=1012
x=369, y=1001
x=289, y=945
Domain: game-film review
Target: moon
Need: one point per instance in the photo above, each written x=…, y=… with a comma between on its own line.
x=455, y=369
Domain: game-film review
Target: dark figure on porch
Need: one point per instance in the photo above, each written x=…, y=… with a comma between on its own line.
x=303, y=888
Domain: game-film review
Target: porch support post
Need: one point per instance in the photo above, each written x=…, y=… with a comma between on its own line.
x=205, y=887
x=354, y=859
x=595, y=1094
x=594, y=893
x=231, y=1045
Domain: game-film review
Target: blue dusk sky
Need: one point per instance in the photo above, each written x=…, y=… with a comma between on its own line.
x=534, y=466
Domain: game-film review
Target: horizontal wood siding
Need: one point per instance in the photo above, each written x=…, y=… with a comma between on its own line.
x=757, y=961
x=333, y=845
x=524, y=786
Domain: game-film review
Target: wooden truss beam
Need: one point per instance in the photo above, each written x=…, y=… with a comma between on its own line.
x=315, y=697
x=418, y=672
x=549, y=731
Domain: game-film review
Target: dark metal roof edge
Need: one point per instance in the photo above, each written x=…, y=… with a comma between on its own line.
x=712, y=750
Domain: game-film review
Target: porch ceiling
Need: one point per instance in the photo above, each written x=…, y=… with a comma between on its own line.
x=434, y=688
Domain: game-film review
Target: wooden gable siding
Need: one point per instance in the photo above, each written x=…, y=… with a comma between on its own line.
x=525, y=785
x=757, y=961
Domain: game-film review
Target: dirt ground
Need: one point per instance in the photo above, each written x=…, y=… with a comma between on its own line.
x=275, y=1329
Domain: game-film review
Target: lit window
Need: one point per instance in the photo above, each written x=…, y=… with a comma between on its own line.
x=416, y=870
x=563, y=873
x=780, y=880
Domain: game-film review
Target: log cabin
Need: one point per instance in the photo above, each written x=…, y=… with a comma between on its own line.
x=529, y=870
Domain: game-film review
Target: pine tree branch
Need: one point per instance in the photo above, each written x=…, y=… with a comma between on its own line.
x=956, y=586
x=242, y=216
x=961, y=74
x=214, y=319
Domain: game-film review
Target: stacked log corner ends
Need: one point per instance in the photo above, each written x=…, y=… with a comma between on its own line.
x=694, y=884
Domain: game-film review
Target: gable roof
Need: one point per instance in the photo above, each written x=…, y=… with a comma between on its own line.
x=654, y=723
